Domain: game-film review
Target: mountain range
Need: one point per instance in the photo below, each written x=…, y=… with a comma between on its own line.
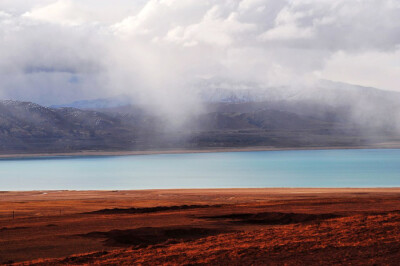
x=332, y=115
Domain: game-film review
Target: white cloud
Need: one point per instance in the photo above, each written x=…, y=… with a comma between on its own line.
x=62, y=12
x=212, y=29
x=4, y=15
x=287, y=32
x=252, y=4
x=287, y=27
x=375, y=69
x=94, y=48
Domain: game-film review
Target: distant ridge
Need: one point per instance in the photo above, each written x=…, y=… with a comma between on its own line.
x=323, y=91
x=111, y=102
x=220, y=91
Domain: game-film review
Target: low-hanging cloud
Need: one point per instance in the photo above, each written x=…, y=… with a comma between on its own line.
x=55, y=51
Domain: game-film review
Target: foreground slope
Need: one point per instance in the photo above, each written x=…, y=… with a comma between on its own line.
x=360, y=240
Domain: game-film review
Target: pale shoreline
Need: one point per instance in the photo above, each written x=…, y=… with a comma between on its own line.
x=55, y=193
x=183, y=151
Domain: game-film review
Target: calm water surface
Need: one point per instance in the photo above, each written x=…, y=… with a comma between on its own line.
x=312, y=168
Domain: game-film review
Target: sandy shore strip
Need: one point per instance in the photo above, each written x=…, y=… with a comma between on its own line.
x=200, y=150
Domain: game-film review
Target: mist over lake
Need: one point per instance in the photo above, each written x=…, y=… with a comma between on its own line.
x=300, y=168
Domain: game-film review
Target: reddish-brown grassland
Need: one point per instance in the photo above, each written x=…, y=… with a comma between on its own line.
x=205, y=226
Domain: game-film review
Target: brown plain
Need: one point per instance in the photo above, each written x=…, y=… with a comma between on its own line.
x=201, y=226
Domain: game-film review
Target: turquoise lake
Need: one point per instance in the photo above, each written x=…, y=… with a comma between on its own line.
x=299, y=168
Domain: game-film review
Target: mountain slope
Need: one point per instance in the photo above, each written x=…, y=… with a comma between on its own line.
x=30, y=128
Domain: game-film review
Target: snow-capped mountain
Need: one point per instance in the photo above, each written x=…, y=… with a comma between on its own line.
x=323, y=91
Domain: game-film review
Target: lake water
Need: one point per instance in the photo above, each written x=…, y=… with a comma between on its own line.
x=300, y=168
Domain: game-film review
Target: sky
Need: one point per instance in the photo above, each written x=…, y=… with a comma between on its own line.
x=57, y=51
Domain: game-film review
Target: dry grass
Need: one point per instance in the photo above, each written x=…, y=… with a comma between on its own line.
x=239, y=226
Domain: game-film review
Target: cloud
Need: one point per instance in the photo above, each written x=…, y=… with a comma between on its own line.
x=376, y=69
x=287, y=32
x=287, y=27
x=155, y=50
x=62, y=12
x=213, y=29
